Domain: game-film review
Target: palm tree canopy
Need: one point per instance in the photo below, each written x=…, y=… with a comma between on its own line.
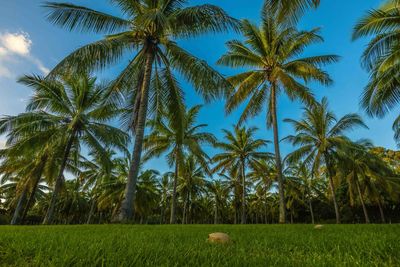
x=240, y=146
x=178, y=137
x=68, y=105
x=319, y=132
x=146, y=26
x=272, y=53
x=381, y=57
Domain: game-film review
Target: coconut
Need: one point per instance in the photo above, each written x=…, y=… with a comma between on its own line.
x=220, y=238
x=318, y=226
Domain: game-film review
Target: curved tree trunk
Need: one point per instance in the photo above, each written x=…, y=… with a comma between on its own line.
x=126, y=212
x=172, y=219
x=18, y=209
x=381, y=211
x=243, y=221
x=34, y=188
x=311, y=211
x=48, y=219
x=278, y=160
x=362, y=202
x=91, y=212
x=332, y=188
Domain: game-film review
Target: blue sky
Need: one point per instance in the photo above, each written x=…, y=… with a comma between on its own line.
x=29, y=44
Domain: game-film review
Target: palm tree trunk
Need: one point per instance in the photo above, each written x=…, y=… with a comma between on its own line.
x=311, y=211
x=34, y=188
x=216, y=211
x=332, y=188
x=92, y=207
x=20, y=205
x=362, y=202
x=172, y=219
x=243, y=193
x=48, y=219
x=282, y=208
x=381, y=211
x=126, y=212
x=184, y=214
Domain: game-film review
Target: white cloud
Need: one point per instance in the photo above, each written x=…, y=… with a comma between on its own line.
x=16, y=45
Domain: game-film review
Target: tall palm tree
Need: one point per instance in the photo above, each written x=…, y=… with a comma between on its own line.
x=381, y=57
x=320, y=135
x=271, y=52
x=71, y=108
x=146, y=32
x=177, y=138
x=239, y=151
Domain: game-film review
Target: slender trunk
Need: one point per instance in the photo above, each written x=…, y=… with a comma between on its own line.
x=92, y=207
x=311, y=211
x=216, y=211
x=162, y=213
x=185, y=208
x=172, y=219
x=34, y=188
x=362, y=202
x=243, y=193
x=126, y=212
x=332, y=188
x=282, y=208
x=189, y=208
x=381, y=211
x=20, y=205
x=266, y=213
x=48, y=219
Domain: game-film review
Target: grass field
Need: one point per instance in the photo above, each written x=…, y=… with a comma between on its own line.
x=253, y=245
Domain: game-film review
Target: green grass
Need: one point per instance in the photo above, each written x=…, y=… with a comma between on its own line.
x=254, y=245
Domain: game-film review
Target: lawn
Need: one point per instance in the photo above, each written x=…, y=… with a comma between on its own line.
x=253, y=245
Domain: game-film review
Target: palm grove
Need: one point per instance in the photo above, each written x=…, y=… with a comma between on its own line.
x=66, y=161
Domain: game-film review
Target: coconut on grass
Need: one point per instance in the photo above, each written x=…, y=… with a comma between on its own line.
x=219, y=238
x=318, y=226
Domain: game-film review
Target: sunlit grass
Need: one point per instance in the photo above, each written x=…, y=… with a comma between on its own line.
x=259, y=245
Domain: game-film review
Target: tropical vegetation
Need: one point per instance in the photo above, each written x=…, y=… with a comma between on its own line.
x=80, y=152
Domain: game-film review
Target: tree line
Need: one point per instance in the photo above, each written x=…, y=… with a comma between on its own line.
x=65, y=161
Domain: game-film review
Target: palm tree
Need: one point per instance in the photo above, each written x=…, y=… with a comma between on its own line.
x=71, y=108
x=271, y=52
x=263, y=175
x=148, y=194
x=320, y=135
x=292, y=8
x=240, y=150
x=177, y=138
x=146, y=31
x=308, y=182
x=381, y=57
x=165, y=188
x=92, y=174
x=360, y=167
x=219, y=194
x=231, y=182
x=192, y=184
